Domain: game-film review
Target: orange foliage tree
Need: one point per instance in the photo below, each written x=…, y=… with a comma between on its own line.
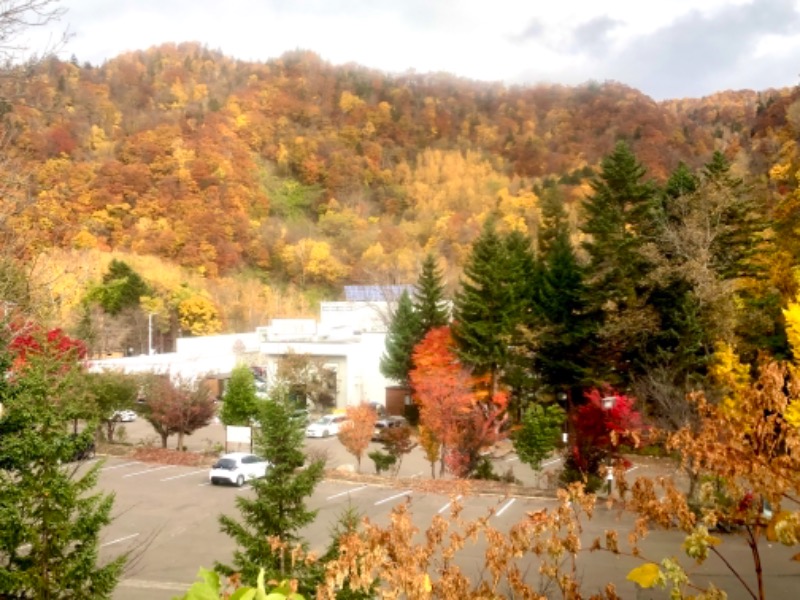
x=356, y=433
x=461, y=419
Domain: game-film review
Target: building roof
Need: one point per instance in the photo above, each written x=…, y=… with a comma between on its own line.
x=376, y=293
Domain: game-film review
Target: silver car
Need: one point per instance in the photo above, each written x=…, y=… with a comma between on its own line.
x=237, y=467
x=325, y=426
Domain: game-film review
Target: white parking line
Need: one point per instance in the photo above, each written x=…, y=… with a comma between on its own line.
x=446, y=506
x=345, y=493
x=127, y=464
x=505, y=506
x=395, y=497
x=185, y=475
x=551, y=462
x=118, y=540
x=632, y=468
x=148, y=471
x=512, y=459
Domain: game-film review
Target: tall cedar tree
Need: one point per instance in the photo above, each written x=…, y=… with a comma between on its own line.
x=403, y=335
x=429, y=298
x=516, y=372
x=240, y=403
x=278, y=509
x=618, y=220
x=560, y=321
x=490, y=303
x=50, y=515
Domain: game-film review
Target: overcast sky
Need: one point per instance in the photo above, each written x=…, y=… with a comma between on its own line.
x=666, y=49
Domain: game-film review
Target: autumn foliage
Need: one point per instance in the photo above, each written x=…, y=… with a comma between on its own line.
x=355, y=433
x=598, y=430
x=452, y=409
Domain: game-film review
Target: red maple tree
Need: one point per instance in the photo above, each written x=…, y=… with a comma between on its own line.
x=462, y=420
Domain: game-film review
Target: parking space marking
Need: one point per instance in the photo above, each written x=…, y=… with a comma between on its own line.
x=512, y=459
x=346, y=492
x=633, y=468
x=395, y=497
x=446, y=506
x=118, y=540
x=148, y=471
x=505, y=506
x=184, y=475
x=127, y=464
x=551, y=462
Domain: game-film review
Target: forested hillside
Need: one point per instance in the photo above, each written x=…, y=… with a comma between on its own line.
x=258, y=176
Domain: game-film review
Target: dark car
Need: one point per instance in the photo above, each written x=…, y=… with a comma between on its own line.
x=385, y=424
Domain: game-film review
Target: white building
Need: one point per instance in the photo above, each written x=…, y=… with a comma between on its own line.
x=348, y=340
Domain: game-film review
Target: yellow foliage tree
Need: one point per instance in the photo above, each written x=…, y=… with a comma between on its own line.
x=728, y=374
x=198, y=316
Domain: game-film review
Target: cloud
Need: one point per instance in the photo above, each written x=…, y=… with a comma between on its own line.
x=700, y=53
x=594, y=36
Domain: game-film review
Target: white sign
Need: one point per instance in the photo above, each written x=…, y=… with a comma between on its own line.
x=236, y=434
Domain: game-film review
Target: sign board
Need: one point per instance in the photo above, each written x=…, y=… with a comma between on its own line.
x=237, y=434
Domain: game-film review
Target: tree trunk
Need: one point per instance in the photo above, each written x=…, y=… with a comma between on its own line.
x=180, y=440
x=164, y=437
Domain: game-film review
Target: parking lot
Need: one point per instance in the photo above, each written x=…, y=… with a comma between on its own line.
x=167, y=517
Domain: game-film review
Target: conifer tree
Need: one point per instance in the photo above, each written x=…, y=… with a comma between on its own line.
x=240, y=403
x=490, y=303
x=561, y=322
x=278, y=510
x=403, y=335
x=429, y=299
x=618, y=222
x=51, y=516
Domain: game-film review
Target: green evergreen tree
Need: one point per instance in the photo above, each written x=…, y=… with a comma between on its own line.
x=561, y=322
x=50, y=515
x=402, y=337
x=619, y=223
x=490, y=304
x=240, y=402
x=278, y=509
x=429, y=298
x=122, y=287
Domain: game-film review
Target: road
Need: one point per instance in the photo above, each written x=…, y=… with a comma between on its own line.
x=167, y=517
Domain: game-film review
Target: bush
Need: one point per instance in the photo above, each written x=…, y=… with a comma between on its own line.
x=382, y=460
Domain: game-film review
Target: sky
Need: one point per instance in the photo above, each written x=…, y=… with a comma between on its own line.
x=666, y=49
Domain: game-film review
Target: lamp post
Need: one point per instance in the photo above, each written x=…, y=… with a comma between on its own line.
x=150, y=334
x=607, y=404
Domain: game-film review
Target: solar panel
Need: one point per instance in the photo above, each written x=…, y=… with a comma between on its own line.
x=376, y=293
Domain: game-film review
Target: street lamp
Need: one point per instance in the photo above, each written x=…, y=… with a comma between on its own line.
x=607, y=404
x=150, y=334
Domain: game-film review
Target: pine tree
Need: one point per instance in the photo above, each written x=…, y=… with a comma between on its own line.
x=429, y=299
x=50, y=516
x=240, y=403
x=561, y=322
x=278, y=510
x=490, y=304
x=403, y=335
x=618, y=223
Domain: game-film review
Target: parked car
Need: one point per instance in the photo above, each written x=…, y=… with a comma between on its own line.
x=236, y=468
x=124, y=416
x=385, y=424
x=325, y=426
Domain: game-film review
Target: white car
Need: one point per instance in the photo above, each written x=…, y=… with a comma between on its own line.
x=325, y=426
x=124, y=416
x=236, y=468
